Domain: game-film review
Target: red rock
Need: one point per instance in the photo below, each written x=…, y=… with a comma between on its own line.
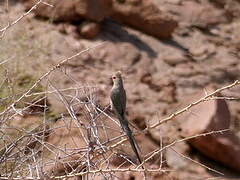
x=213, y=115
x=72, y=10
x=89, y=30
x=144, y=16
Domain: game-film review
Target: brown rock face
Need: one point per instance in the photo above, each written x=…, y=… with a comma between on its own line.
x=73, y=10
x=210, y=116
x=89, y=30
x=144, y=16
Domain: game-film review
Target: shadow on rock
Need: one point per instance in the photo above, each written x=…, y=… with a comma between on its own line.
x=115, y=33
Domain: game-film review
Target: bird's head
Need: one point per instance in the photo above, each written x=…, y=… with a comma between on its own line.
x=117, y=78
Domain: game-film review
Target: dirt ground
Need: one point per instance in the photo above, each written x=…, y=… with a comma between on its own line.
x=159, y=77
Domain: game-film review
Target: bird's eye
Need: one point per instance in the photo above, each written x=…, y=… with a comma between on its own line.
x=114, y=77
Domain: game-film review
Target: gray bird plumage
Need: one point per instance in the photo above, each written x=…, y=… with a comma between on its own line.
x=118, y=104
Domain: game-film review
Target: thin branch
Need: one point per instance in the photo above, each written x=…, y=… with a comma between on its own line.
x=182, y=140
x=47, y=74
x=10, y=24
x=205, y=98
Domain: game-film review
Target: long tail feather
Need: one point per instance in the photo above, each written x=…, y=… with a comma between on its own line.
x=127, y=130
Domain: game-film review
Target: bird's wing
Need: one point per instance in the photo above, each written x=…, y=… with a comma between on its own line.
x=118, y=100
x=123, y=100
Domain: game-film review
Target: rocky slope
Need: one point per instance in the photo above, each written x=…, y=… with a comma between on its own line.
x=167, y=50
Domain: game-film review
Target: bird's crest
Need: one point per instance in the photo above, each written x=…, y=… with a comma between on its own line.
x=118, y=74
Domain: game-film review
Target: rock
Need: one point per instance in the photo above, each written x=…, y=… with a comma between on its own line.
x=202, y=51
x=168, y=94
x=213, y=115
x=68, y=136
x=175, y=58
x=232, y=8
x=28, y=139
x=144, y=16
x=89, y=30
x=65, y=137
x=72, y=10
x=187, y=70
x=198, y=81
x=174, y=160
x=199, y=14
x=67, y=28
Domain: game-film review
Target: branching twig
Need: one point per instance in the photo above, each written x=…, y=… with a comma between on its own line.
x=179, y=141
x=47, y=74
x=10, y=24
x=205, y=98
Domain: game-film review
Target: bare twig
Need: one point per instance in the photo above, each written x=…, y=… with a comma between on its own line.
x=47, y=74
x=205, y=98
x=10, y=24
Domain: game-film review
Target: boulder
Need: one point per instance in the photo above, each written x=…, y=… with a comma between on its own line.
x=213, y=115
x=72, y=10
x=141, y=15
x=144, y=16
x=89, y=30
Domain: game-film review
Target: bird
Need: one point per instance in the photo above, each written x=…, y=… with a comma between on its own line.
x=118, y=105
